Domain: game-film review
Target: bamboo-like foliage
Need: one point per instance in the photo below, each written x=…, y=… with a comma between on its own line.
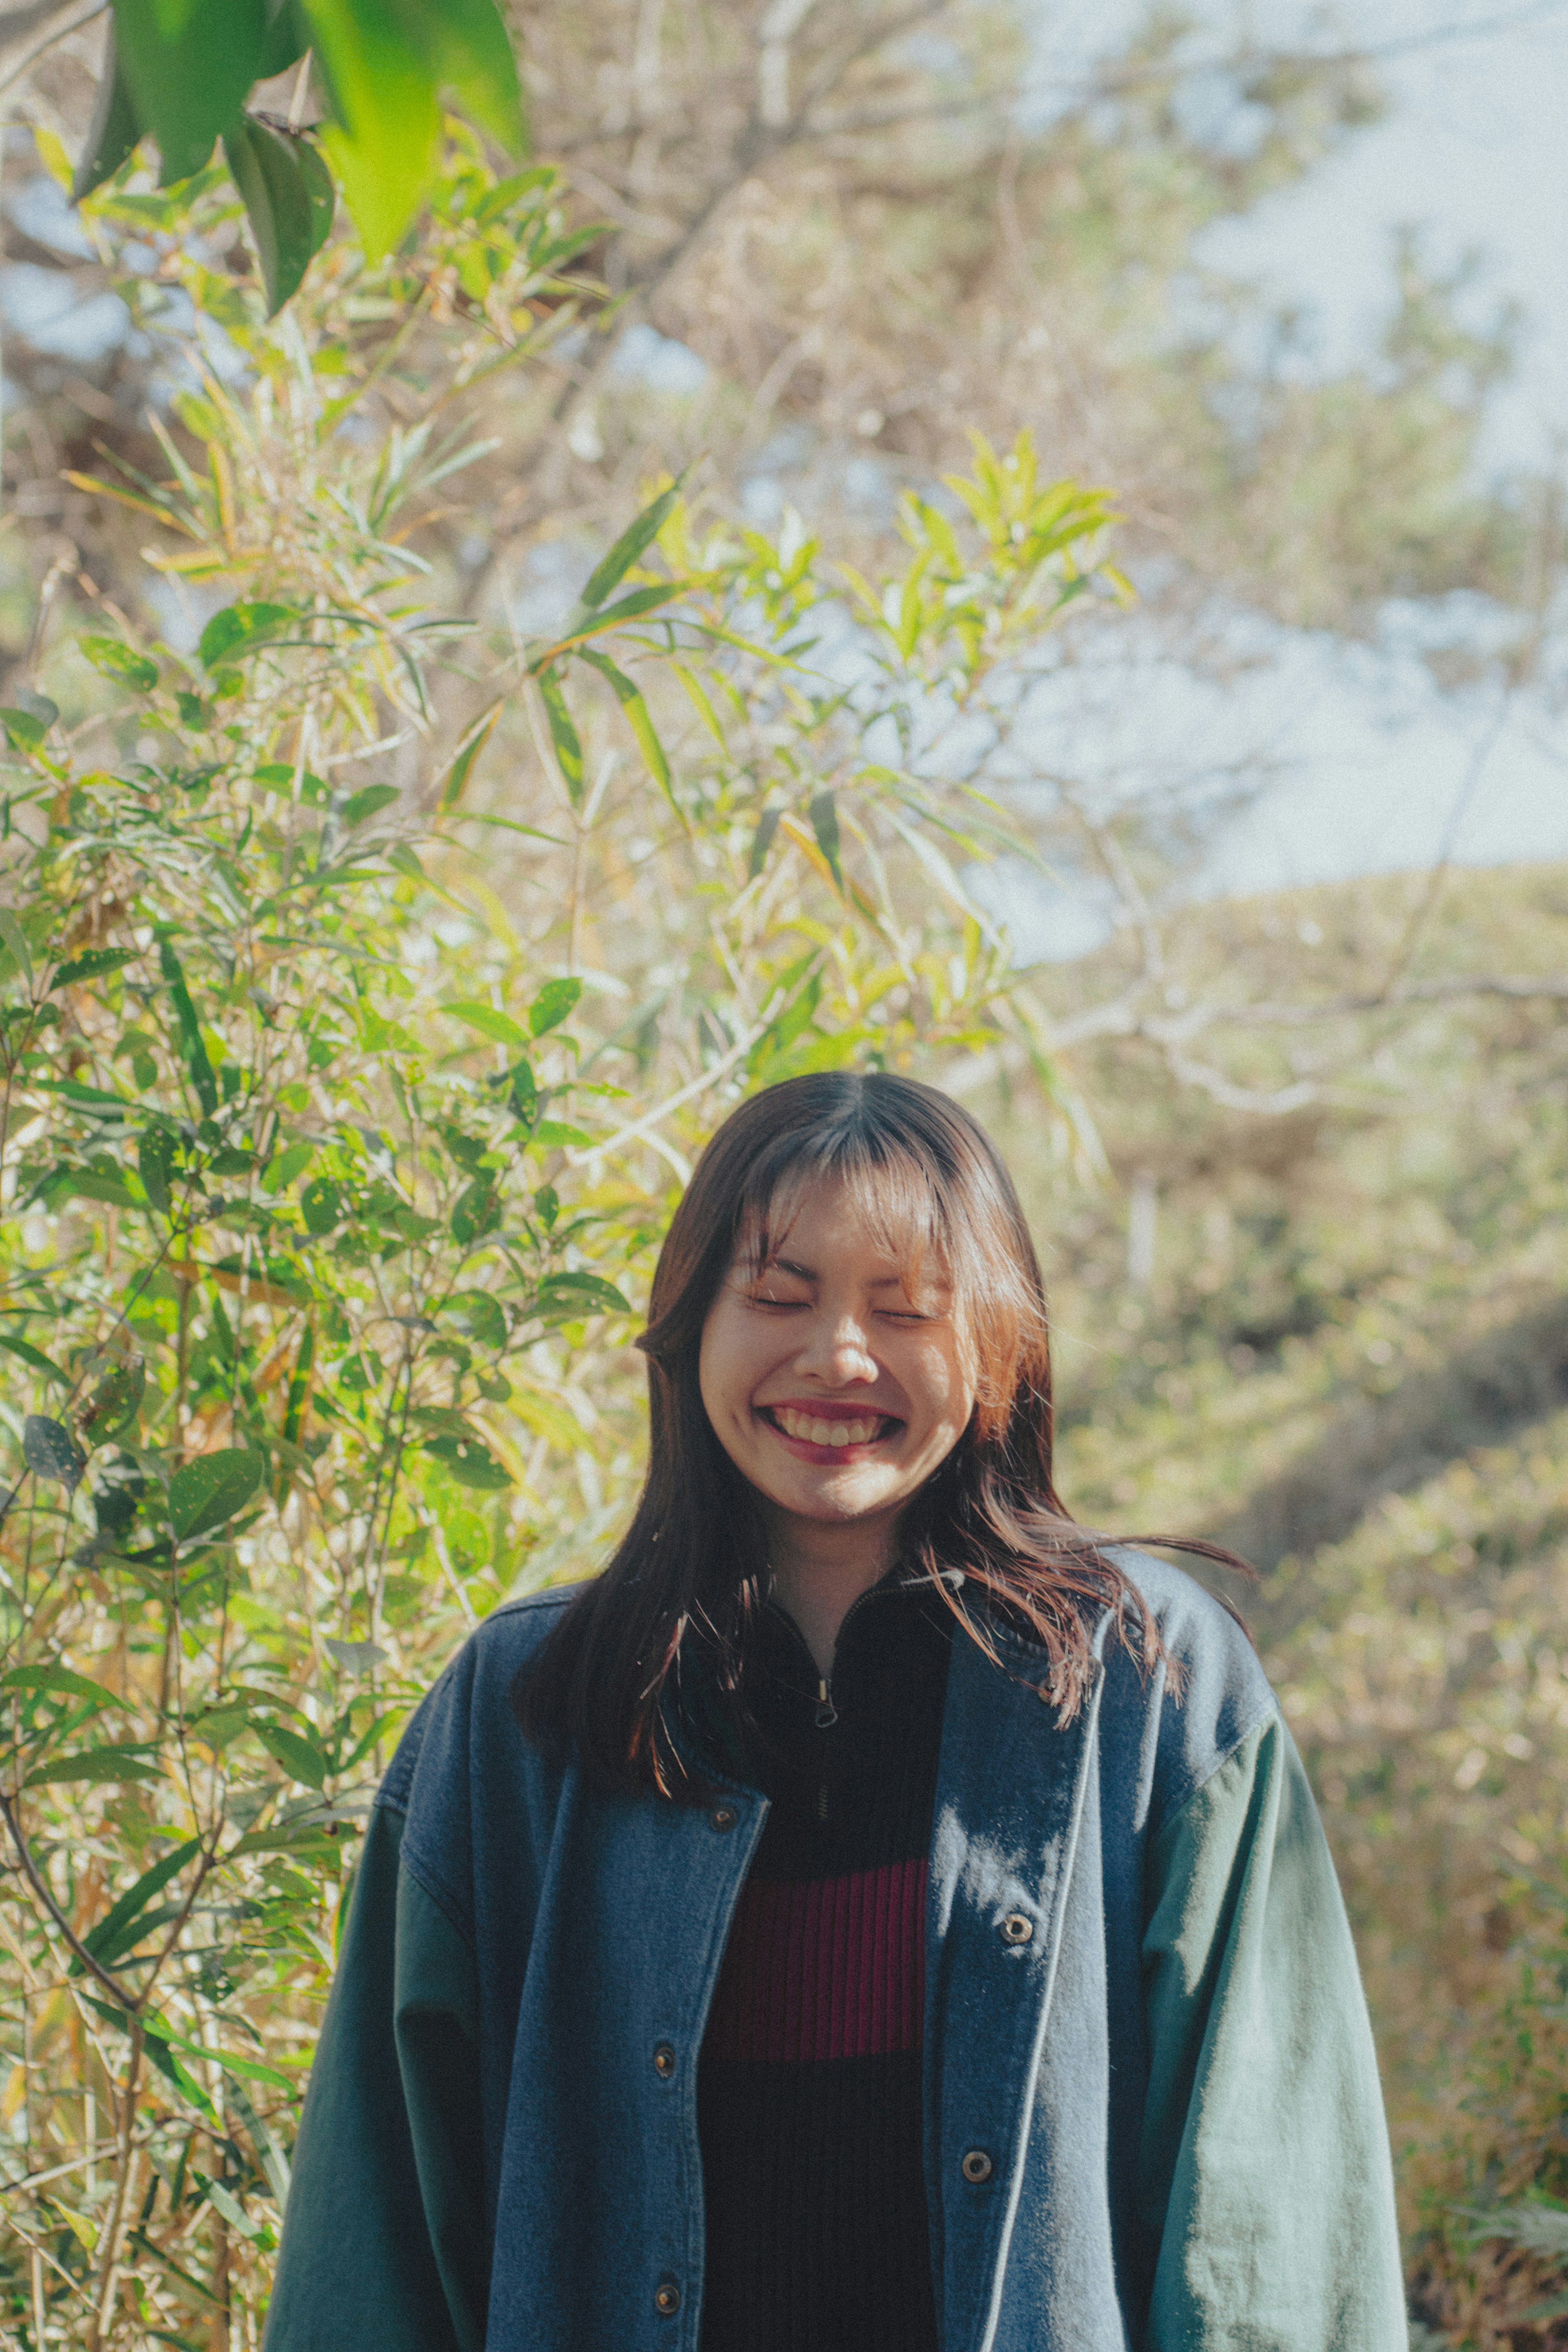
x=368, y=977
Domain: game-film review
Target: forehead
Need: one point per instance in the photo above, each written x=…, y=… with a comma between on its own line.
x=871, y=1216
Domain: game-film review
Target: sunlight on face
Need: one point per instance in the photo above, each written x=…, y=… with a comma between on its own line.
x=834, y=1393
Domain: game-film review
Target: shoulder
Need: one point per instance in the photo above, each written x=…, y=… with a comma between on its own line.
x=1207, y=1699
x=470, y=1704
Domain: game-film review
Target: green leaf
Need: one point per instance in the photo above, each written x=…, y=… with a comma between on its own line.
x=195, y=1051
x=367, y=804
x=35, y=1356
x=293, y=1162
x=357, y=1657
x=114, y=1403
x=23, y=731
x=114, y=130
x=219, y=2199
x=187, y=68
x=50, y=1451
x=762, y=842
x=490, y=1022
x=59, y=1678
x=470, y=55
x=93, y=1765
x=273, y=2163
x=115, y=660
x=240, y=628
x=480, y=1316
x=384, y=140
x=454, y=783
x=470, y=1463
x=322, y=1204
x=155, y=1165
x=300, y=1759
x=93, y=964
x=281, y=200
x=556, y=1133
x=630, y=697
x=555, y=1000
x=563, y=734
x=99, y=1184
x=477, y=1210
x=158, y=2053
x=824, y=816
x=523, y=1093
x=211, y=1489
x=117, y=1931
x=575, y=1294
x=16, y=939
x=628, y=547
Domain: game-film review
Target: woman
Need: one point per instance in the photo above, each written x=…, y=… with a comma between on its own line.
x=869, y=1914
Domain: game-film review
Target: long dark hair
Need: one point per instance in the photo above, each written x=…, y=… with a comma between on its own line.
x=690, y=1574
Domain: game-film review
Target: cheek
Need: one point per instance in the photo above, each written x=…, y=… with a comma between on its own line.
x=724, y=1370
x=948, y=1386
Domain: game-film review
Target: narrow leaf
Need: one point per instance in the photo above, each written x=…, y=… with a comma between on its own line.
x=628, y=547
x=92, y=965
x=109, y=1938
x=630, y=697
x=35, y=1356
x=94, y=1765
x=195, y=1051
x=563, y=734
x=210, y=1490
x=490, y=1022
x=265, y=166
x=456, y=780
x=59, y=1678
x=824, y=817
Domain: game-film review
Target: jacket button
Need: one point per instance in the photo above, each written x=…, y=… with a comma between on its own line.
x=722, y=1817
x=664, y=2060
x=666, y=2298
x=1016, y=1929
x=976, y=2166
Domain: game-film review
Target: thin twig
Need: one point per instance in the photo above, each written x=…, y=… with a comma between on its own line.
x=63, y=33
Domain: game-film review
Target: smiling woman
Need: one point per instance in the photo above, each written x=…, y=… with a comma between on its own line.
x=871, y=1914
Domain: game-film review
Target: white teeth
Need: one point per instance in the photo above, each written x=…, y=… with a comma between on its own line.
x=816, y=1432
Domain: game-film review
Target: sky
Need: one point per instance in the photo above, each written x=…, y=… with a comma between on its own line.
x=1374, y=769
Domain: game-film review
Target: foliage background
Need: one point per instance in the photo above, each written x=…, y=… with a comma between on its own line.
x=396, y=887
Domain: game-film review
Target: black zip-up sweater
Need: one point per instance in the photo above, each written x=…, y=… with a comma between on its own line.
x=810, y=2088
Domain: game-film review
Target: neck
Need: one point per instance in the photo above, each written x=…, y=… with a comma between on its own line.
x=820, y=1568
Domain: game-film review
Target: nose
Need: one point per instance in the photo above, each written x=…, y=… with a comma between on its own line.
x=838, y=1351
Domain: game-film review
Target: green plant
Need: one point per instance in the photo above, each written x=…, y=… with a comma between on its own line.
x=181, y=74
x=366, y=979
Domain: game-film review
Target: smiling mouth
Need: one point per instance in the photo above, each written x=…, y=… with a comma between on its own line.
x=831, y=1428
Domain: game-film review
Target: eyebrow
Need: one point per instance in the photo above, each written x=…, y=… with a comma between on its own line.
x=808, y=1273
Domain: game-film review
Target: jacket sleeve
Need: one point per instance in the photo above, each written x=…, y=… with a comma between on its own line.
x=1264, y=2171
x=383, y=2247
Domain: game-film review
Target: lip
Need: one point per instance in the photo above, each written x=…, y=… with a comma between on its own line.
x=807, y=1449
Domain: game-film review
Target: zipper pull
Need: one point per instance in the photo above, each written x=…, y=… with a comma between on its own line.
x=827, y=1713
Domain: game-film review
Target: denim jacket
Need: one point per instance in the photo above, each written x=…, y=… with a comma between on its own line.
x=1151, y=2125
